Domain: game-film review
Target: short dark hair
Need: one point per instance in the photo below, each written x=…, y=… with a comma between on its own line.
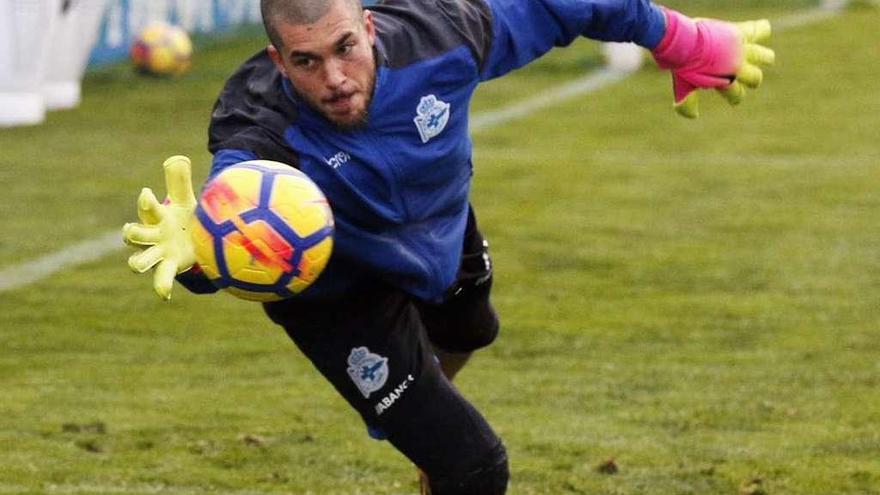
x=295, y=12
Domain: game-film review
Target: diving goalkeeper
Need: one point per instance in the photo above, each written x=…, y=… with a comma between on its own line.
x=372, y=104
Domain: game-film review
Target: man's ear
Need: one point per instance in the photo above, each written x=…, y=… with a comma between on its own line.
x=276, y=59
x=370, y=27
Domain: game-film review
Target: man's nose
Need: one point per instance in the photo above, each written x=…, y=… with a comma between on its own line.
x=334, y=76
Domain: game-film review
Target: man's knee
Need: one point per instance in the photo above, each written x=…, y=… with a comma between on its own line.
x=464, y=323
x=483, y=330
x=487, y=477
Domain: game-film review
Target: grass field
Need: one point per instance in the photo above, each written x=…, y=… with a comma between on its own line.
x=693, y=303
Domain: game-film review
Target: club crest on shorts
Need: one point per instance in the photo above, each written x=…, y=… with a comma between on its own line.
x=431, y=117
x=367, y=370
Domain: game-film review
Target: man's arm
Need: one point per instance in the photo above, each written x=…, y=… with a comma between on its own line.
x=524, y=30
x=247, y=123
x=700, y=53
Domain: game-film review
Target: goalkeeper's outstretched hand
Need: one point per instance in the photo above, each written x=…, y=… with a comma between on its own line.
x=164, y=230
x=707, y=53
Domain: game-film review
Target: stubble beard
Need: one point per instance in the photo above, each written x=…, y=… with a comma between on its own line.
x=358, y=123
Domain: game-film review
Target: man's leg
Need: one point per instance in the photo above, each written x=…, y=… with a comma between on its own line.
x=373, y=347
x=465, y=320
x=451, y=362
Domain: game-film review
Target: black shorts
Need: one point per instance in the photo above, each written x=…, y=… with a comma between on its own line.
x=376, y=346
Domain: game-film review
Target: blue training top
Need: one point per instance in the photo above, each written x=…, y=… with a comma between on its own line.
x=399, y=186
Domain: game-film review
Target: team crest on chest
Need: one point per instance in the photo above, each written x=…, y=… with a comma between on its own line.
x=367, y=370
x=431, y=117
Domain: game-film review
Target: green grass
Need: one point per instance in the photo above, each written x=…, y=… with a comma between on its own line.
x=696, y=300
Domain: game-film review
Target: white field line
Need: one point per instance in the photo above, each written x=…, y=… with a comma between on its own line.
x=809, y=16
x=590, y=83
x=32, y=271
x=29, y=272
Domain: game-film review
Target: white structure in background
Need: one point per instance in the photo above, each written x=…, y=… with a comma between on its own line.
x=833, y=4
x=25, y=33
x=840, y=4
x=76, y=31
x=45, y=45
x=623, y=57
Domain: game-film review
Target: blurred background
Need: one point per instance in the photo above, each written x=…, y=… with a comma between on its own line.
x=688, y=307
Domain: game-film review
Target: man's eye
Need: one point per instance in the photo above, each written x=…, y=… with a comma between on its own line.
x=346, y=48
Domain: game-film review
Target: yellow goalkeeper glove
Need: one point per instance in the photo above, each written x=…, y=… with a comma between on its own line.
x=165, y=228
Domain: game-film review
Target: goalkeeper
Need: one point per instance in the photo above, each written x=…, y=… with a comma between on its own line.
x=372, y=104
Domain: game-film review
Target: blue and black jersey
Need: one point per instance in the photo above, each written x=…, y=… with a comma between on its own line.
x=399, y=186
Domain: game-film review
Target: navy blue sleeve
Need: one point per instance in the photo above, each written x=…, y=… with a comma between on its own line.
x=523, y=30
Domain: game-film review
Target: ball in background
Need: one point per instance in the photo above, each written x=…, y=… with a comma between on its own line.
x=162, y=49
x=263, y=231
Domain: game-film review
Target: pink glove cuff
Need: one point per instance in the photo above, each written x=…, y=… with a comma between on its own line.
x=680, y=41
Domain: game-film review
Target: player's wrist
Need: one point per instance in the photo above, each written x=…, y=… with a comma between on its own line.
x=679, y=41
x=195, y=281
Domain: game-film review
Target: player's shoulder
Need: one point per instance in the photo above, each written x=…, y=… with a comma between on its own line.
x=252, y=110
x=256, y=82
x=413, y=30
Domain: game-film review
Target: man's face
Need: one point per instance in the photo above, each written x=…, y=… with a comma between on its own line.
x=330, y=62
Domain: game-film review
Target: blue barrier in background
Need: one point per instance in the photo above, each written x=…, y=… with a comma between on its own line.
x=123, y=19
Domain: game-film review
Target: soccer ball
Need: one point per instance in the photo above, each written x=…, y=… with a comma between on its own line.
x=162, y=50
x=263, y=230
